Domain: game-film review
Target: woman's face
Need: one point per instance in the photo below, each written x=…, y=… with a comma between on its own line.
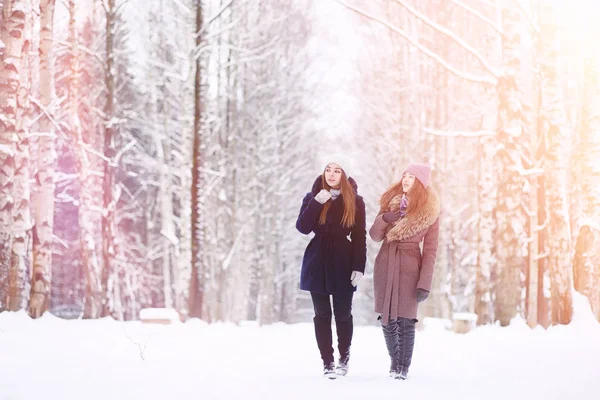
x=333, y=175
x=408, y=181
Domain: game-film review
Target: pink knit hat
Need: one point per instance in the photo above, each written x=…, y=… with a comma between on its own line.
x=421, y=171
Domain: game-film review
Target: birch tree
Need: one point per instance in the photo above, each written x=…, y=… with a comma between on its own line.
x=556, y=137
x=22, y=221
x=14, y=45
x=586, y=260
x=44, y=205
x=108, y=151
x=199, y=271
x=88, y=217
x=509, y=215
x=161, y=161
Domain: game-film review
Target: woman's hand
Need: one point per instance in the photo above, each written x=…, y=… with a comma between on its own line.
x=355, y=277
x=422, y=295
x=391, y=216
x=323, y=196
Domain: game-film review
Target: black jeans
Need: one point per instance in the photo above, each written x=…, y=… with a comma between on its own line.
x=342, y=310
x=342, y=305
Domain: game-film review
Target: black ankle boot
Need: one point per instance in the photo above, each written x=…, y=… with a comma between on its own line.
x=344, y=329
x=329, y=370
x=323, y=335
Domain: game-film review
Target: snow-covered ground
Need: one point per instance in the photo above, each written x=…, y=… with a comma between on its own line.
x=52, y=358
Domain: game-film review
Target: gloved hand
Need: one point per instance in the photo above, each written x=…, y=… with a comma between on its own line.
x=323, y=196
x=422, y=295
x=355, y=277
x=391, y=216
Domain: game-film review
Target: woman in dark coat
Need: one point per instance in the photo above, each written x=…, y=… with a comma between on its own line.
x=332, y=264
x=403, y=273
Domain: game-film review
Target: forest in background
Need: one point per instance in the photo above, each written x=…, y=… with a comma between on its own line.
x=155, y=153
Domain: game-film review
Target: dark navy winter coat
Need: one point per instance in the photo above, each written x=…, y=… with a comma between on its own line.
x=330, y=257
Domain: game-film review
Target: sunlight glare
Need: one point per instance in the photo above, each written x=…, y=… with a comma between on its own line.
x=577, y=17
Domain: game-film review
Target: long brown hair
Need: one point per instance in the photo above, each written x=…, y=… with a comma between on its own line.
x=416, y=198
x=347, y=193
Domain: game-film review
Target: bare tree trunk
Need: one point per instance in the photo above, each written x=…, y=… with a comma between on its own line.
x=108, y=197
x=12, y=36
x=586, y=262
x=555, y=168
x=44, y=207
x=267, y=290
x=508, y=211
x=586, y=255
x=484, y=305
x=165, y=198
x=198, y=278
x=488, y=192
x=543, y=289
x=89, y=255
x=22, y=222
x=532, y=296
x=533, y=259
x=534, y=293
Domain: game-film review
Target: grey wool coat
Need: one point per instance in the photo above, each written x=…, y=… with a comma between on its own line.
x=401, y=266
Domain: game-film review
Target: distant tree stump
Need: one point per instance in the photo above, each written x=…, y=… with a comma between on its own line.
x=464, y=322
x=164, y=316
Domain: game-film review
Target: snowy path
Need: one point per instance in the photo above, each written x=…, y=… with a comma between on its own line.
x=56, y=359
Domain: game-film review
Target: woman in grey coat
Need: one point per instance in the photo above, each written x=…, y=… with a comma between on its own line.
x=409, y=214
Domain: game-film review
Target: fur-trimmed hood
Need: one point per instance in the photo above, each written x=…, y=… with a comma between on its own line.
x=318, y=185
x=412, y=224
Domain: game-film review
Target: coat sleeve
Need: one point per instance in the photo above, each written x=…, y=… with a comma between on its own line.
x=358, y=235
x=430, y=245
x=309, y=214
x=379, y=228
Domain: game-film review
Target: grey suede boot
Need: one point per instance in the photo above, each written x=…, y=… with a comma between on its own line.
x=406, y=345
x=390, y=334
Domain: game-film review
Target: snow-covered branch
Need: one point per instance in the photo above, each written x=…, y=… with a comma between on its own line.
x=492, y=81
x=479, y=15
x=448, y=33
x=213, y=18
x=523, y=13
x=472, y=134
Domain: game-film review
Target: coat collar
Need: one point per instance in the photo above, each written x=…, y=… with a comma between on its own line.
x=414, y=223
